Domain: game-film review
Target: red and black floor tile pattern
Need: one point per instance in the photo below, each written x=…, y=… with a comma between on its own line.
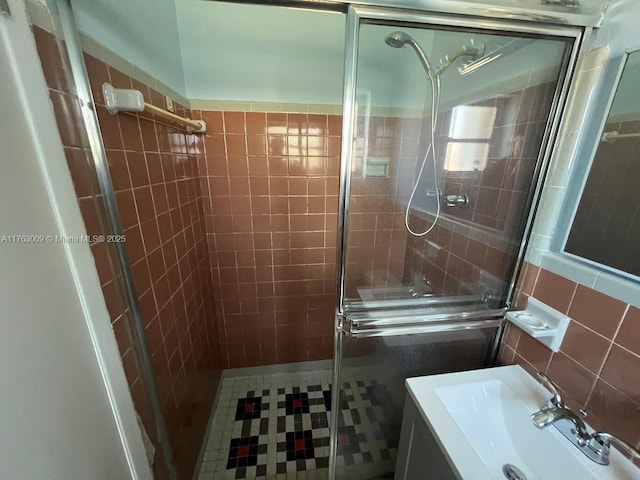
x=362, y=424
x=250, y=407
x=244, y=452
x=295, y=422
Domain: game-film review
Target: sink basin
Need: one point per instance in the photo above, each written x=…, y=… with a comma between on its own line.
x=498, y=428
x=481, y=421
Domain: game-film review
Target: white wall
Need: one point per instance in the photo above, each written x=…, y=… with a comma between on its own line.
x=394, y=76
x=273, y=54
x=212, y=50
x=65, y=411
x=620, y=32
x=144, y=32
x=261, y=53
x=626, y=104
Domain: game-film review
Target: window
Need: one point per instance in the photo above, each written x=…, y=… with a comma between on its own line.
x=470, y=132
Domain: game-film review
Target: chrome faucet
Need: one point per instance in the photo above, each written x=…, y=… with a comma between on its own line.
x=556, y=399
x=554, y=411
x=459, y=201
x=600, y=444
x=596, y=446
x=549, y=416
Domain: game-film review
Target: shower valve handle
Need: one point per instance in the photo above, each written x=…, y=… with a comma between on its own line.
x=459, y=201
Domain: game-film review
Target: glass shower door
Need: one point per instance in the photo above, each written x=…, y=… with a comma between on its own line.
x=445, y=129
x=433, y=218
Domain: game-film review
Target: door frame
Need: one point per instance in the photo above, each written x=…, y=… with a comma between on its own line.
x=38, y=122
x=355, y=16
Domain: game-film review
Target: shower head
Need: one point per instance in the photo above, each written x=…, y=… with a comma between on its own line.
x=400, y=39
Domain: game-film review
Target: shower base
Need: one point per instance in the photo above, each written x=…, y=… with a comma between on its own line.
x=276, y=427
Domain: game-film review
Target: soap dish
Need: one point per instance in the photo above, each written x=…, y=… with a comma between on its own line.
x=542, y=322
x=530, y=320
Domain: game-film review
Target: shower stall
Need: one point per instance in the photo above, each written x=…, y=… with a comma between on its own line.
x=446, y=126
x=447, y=122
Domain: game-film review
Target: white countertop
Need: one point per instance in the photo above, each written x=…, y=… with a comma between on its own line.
x=427, y=394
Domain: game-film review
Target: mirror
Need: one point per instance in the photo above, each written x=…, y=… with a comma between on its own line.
x=606, y=226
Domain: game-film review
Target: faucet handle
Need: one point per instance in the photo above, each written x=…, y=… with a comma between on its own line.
x=556, y=399
x=601, y=443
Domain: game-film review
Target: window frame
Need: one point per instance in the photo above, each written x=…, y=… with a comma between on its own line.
x=578, y=183
x=578, y=138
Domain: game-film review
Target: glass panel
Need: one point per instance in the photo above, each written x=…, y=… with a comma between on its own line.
x=183, y=393
x=85, y=177
x=372, y=393
x=606, y=229
x=495, y=96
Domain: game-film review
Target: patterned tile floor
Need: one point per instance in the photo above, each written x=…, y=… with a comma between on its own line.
x=276, y=427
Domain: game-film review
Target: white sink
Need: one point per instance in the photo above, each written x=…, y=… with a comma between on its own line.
x=481, y=420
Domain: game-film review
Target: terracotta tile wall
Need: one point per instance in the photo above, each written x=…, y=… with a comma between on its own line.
x=377, y=236
x=453, y=262
x=598, y=365
x=154, y=170
x=514, y=146
x=270, y=182
x=155, y=175
x=453, y=259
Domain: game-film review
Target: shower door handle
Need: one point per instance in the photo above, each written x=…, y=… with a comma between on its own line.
x=357, y=326
x=425, y=328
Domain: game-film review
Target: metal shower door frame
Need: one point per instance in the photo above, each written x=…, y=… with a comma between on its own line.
x=82, y=86
x=545, y=13
x=355, y=15
x=381, y=15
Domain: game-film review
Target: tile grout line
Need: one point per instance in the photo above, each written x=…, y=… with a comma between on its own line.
x=606, y=357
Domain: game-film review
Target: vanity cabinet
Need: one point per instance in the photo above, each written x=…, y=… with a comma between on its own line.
x=419, y=454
